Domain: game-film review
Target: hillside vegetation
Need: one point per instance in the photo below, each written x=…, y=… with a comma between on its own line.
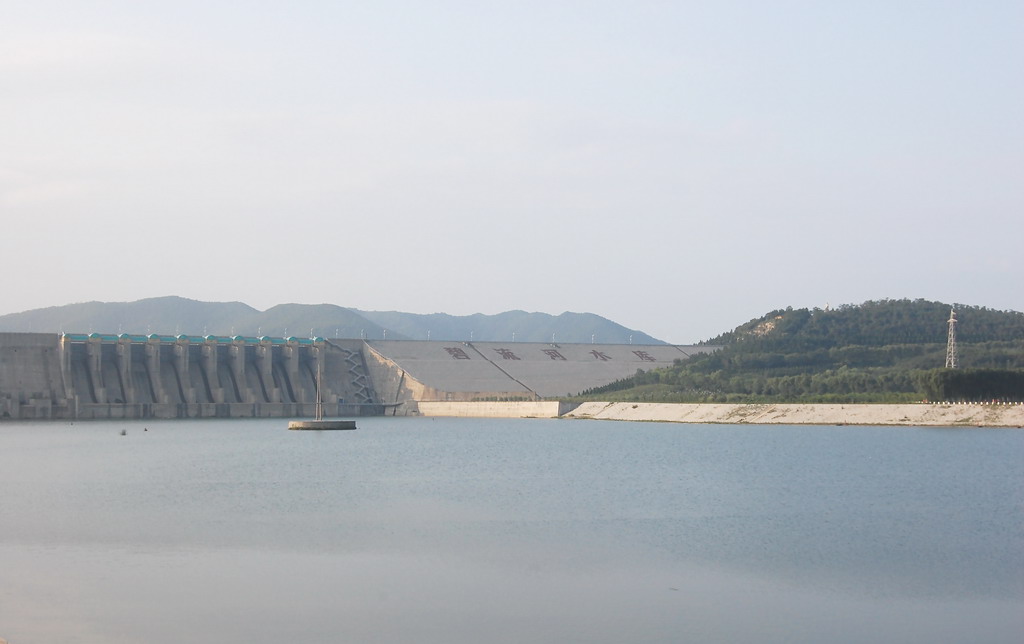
x=883, y=351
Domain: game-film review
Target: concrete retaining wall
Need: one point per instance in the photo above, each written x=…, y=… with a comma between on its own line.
x=523, y=409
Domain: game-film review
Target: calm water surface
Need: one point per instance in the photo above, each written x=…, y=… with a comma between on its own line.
x=464, y=530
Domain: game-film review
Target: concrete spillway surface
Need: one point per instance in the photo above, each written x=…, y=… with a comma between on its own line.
x=321, y=424
x=537, y=369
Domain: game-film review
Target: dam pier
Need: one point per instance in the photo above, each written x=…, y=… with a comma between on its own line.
x=96, y=376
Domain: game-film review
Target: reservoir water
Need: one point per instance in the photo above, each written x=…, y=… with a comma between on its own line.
x=466, y=530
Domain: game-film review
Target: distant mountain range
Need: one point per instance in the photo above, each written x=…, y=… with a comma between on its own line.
x=177, y=315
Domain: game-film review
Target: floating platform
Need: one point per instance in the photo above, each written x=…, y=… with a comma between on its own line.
x=322, y=424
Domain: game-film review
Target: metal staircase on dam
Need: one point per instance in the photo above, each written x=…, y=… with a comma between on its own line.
x=361, y=389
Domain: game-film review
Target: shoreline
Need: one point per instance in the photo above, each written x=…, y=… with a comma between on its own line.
x=917, y=414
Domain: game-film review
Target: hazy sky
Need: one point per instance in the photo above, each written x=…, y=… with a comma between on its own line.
x=678, y=167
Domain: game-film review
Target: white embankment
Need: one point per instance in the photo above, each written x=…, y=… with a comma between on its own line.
x=937, y=415
x=923, y=414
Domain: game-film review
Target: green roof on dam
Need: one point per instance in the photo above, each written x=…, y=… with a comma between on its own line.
x=541, y=369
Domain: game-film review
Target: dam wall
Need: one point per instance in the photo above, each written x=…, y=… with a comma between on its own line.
x=45, y=376
x=102, y=376
x=32, y=383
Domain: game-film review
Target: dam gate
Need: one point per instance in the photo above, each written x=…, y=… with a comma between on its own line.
x=156, y=376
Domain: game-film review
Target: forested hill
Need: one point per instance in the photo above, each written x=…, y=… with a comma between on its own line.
x=876, y=324
x=877, y=351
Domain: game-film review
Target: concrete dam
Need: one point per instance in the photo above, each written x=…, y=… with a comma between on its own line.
x=98, y=376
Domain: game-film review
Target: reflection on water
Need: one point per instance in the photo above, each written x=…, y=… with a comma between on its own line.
x=461, y=530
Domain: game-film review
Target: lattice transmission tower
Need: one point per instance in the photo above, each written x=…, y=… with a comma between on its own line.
x=952, y=354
